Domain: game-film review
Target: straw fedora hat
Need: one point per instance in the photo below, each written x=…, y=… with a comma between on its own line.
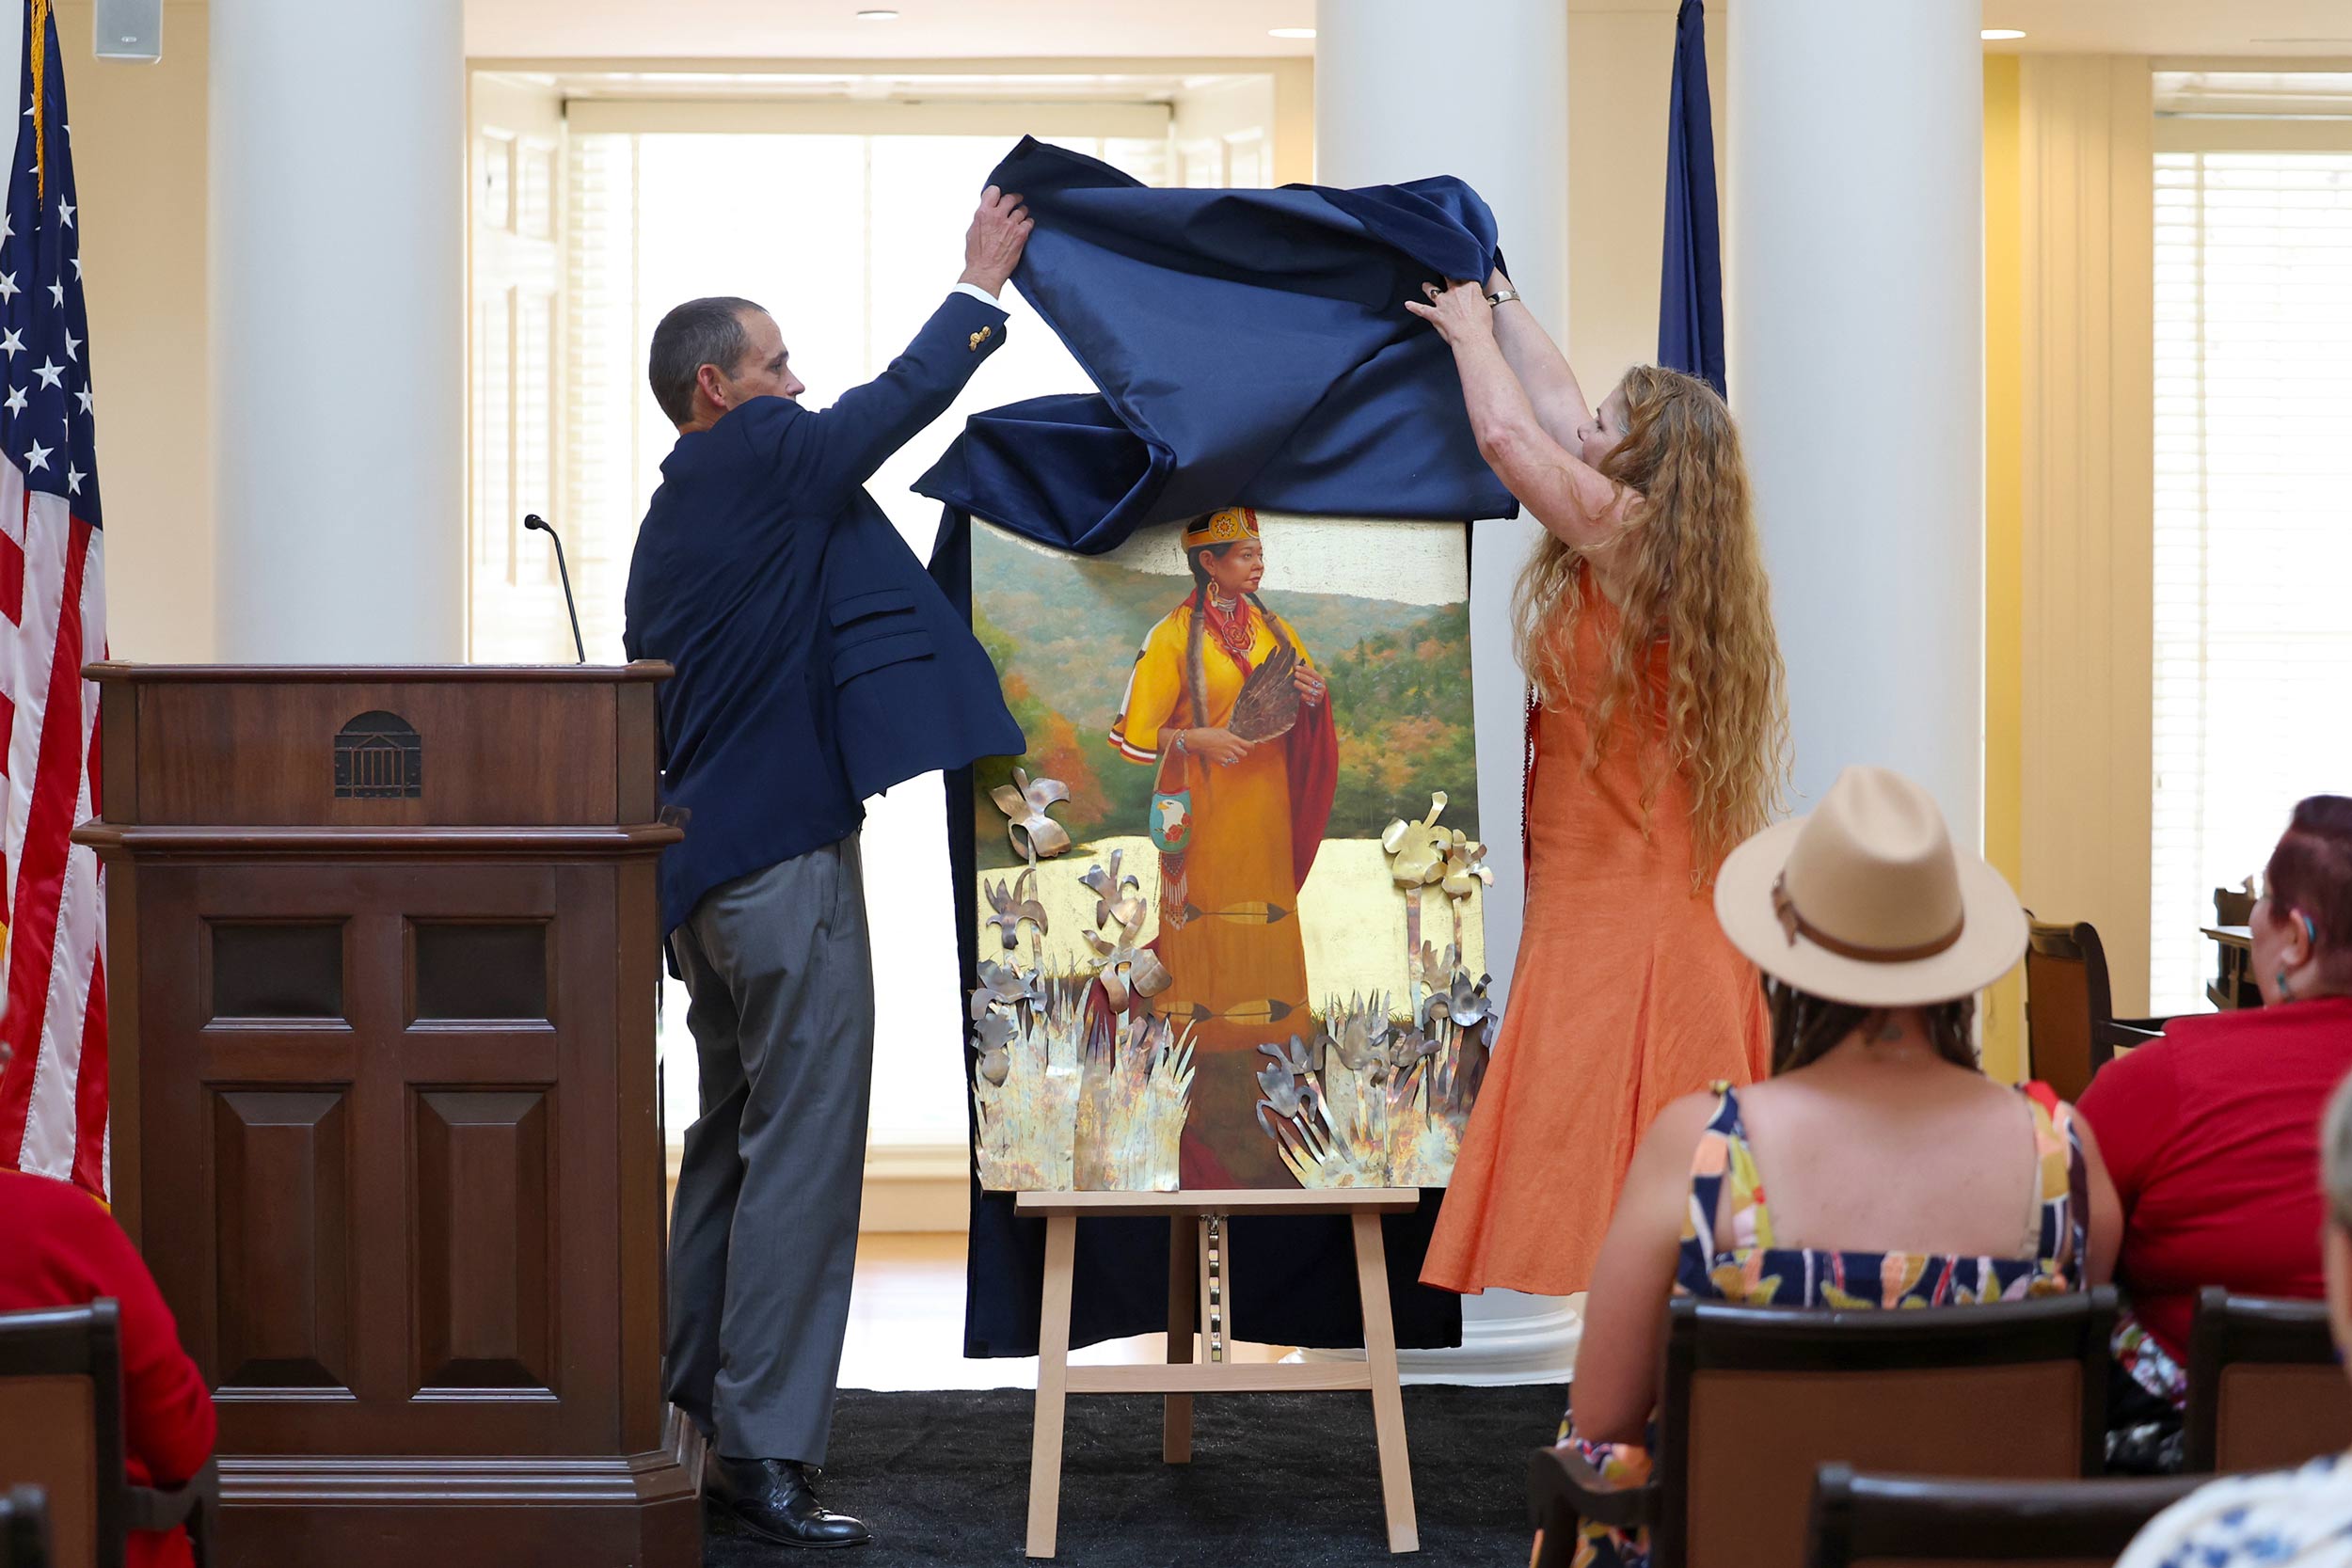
x=1867, y=902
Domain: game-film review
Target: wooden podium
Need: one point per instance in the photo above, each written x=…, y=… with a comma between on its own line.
x=383, y=946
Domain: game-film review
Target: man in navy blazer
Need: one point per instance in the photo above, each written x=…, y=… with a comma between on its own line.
x=817, y=664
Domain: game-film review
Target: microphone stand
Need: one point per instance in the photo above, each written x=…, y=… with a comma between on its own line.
x=532, y=519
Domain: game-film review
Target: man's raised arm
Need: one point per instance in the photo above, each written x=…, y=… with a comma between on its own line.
x=840, y=447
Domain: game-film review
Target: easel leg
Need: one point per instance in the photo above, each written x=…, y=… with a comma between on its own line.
x=1184, y=1263
x=1388, y=1401
x=1053, y=1377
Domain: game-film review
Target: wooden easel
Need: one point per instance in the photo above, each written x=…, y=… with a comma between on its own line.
x=1197, y=1263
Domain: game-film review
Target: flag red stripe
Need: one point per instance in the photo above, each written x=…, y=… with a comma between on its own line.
x=13, y=579
x=41, y=865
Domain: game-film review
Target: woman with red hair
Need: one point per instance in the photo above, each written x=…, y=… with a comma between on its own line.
x=2212, y=1132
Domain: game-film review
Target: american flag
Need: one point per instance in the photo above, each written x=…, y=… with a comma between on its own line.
x=53, y=1093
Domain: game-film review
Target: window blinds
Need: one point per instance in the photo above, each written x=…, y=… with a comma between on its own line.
x=2253, y=523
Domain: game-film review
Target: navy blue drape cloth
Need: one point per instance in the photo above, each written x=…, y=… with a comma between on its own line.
x=1251, y=348
x=1691, y=285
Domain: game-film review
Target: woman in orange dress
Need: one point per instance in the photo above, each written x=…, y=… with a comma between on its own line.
x=1659, y=740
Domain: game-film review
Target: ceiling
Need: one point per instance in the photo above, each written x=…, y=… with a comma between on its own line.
x=1001, y=29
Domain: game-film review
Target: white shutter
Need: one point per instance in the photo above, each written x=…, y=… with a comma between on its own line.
x=2253, y=520
x=514, y=603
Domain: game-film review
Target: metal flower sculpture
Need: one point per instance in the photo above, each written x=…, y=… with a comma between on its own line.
x=1014, y=904
x=1417, y=850
x=993, y=1037
x=1118, y=900
x=1004, y=986
x=1406, y=1050
x=1126, y=968
x=1464, y=1004
x=1289, y=1090
x=1025, y=802
x=1361, y=1039
x=1466, y=866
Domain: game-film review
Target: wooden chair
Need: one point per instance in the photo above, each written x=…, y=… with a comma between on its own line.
x=61, y=1429
x=2071, y=1027
x=25, y=1527
x=1757, y=1398
x=2265, y=1391
x=2232, y=983
x=1870, y=1519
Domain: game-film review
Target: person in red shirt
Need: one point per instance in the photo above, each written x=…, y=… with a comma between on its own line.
x=60, y=1247
x=2212, y=1132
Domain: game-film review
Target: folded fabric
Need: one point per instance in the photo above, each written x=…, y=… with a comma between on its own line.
x=1249, y=347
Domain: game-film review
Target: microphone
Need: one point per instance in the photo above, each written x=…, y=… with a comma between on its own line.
x=532, y=519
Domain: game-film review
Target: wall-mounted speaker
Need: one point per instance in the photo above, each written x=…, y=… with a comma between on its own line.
x=130, y=30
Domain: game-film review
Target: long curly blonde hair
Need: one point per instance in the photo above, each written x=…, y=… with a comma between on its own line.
x=1690, y=569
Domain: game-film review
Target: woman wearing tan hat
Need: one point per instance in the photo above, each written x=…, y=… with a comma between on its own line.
x=1657, y=737
x=1899, y=1175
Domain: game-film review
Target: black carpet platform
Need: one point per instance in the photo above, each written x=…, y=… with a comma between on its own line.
x=1285, y=1480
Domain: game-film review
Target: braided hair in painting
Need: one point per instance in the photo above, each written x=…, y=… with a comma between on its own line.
x=1694, y=576
x=1195, y=673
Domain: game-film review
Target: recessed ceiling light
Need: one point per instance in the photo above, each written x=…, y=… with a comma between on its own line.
x=2001, y=35
x=1290, y=32
x=878, y=16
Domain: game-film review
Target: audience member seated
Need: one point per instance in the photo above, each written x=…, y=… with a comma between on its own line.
x=60, y=1247
x=1899, y=1175
x=2212, y=1132
x=2288, y=1519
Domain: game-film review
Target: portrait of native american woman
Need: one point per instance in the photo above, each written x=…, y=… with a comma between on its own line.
x=1225, y=701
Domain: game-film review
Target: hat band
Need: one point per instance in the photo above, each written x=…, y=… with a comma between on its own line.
x=1796, y=925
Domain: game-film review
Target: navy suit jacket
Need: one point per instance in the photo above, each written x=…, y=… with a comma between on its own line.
x=817, y=663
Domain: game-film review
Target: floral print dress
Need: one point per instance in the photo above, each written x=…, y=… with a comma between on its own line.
x=2286, y=1519
x=1757, y=1272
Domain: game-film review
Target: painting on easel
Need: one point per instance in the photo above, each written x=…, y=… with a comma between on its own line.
x=1229, y=903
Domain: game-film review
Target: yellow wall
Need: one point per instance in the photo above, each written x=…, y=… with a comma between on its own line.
x=2004, y=588
x=139, y=159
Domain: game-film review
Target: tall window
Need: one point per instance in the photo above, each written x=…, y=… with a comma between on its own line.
x=849, y=241
x=2254, y=521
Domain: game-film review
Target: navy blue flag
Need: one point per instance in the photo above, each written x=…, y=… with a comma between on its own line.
x=1249, y=348
x=1690, y=286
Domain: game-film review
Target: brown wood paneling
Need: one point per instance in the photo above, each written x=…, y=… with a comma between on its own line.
x=281, y=1222
x=419, y=1255
x=484, y=1310
x=262, y=753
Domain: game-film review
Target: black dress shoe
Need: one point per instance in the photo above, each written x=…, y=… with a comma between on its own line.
x=773, y=1496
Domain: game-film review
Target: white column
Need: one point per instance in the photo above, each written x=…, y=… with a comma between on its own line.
x=336, y=208
x=1477, y=88
x=1856, y=141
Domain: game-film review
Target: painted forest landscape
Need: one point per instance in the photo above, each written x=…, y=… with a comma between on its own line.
x=1063, y=632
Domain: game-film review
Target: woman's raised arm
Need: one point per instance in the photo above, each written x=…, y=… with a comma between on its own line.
x=1567, y=496
x=1543, y=371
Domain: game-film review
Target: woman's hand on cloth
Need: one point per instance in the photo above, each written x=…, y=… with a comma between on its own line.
x=1459, y=311
x=992, y=247
x=1311, y=686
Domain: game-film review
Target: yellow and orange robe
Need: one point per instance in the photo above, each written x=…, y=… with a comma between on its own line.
x=1229, y=929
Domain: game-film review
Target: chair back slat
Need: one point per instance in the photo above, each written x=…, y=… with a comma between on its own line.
x=62, y=1425
x=1757, y=1398
x=2067, y=999
x=1881, y=1521
x=2264, y=1392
